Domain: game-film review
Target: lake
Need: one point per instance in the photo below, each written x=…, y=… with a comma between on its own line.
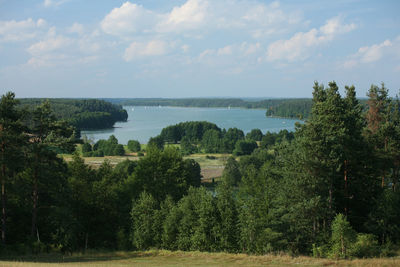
x=146, y=122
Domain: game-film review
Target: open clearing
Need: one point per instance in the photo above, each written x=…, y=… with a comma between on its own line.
x=168, y=258
x=212, y=165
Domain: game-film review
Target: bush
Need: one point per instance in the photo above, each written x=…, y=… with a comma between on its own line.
x=365, y=246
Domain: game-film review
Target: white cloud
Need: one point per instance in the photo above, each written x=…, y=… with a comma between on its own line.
x=152, y=48
x=76, y=28
x=55, y=49
x=185, y=48
x=53, y=3
x=195, y=18
x=190, y=15
x=49, y=45
x=369, y=54
x=13, y=31
x=225, y=51
x=298, y=47
x=374, y=52
x=129, y=18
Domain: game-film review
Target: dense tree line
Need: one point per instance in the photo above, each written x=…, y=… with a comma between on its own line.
x=290, y=108
x=48, y=204
x=329, y=189
x=84, y=113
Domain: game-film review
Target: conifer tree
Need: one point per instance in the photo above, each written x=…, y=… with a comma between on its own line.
x=12, y=140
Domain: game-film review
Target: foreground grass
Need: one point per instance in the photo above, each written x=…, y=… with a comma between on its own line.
x=178, y=258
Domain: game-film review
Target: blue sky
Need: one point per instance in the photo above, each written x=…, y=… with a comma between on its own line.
x=196, y=48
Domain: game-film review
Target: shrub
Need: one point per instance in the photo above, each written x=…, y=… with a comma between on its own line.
x=365, y=246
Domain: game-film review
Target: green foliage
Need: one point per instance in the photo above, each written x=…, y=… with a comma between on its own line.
x=292, y=108
x=230, y=138
x=255, y=135
x=270, y=139
x=155, y=143
x=281, y=197
x=187, y=147
x=192, y=130
x=365, y=246
x=162, y=173
x=82, y=114
x=343, y=237
x=226, y=227
x=244, y=147
x=231, y=174
x=86, y=147
x=134, y=146
x=211, y=141
x=142, y=214
x=108, y=147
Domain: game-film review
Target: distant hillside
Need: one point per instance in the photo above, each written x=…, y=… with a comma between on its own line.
x=82, y=113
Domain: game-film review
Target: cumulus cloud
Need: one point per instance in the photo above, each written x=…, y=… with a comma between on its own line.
x=374, y=53
x=49, y=45
x=55, y=49
x=194, y=17
x=129, y=18
x=76, y=28
x=138, y=49
x=190, y=15
x=13, y=31
x=299, y=46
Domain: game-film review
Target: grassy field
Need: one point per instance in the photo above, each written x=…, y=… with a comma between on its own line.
x=168, y=258
x=212, y=165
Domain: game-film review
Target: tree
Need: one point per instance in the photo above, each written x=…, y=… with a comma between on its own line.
x=134, y=146
x=343, y=236
x=142, y=214
x=86, y=147
x=119, y=150
x=187, y=147
x=47, y=134
x=12, y=141
x=226, y=226
x=255, y=135
x=211, y=142
x=244, y=147
x=231, y=174
x=162, y=173
x=156, y=142
x=230, y=138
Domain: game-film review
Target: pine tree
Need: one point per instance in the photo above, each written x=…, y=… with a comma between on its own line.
x=12, y=140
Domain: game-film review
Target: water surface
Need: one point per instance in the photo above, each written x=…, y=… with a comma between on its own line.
x=146, y=122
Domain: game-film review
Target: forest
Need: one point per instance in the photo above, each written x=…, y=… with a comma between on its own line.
x=330, y=189
x=83, y=114
x=279, y=107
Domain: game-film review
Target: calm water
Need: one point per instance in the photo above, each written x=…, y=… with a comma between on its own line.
x=146, y=122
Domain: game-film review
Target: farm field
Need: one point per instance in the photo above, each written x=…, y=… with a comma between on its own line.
x=168, y=258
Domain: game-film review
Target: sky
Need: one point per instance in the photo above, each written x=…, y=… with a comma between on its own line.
x=196, y=48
